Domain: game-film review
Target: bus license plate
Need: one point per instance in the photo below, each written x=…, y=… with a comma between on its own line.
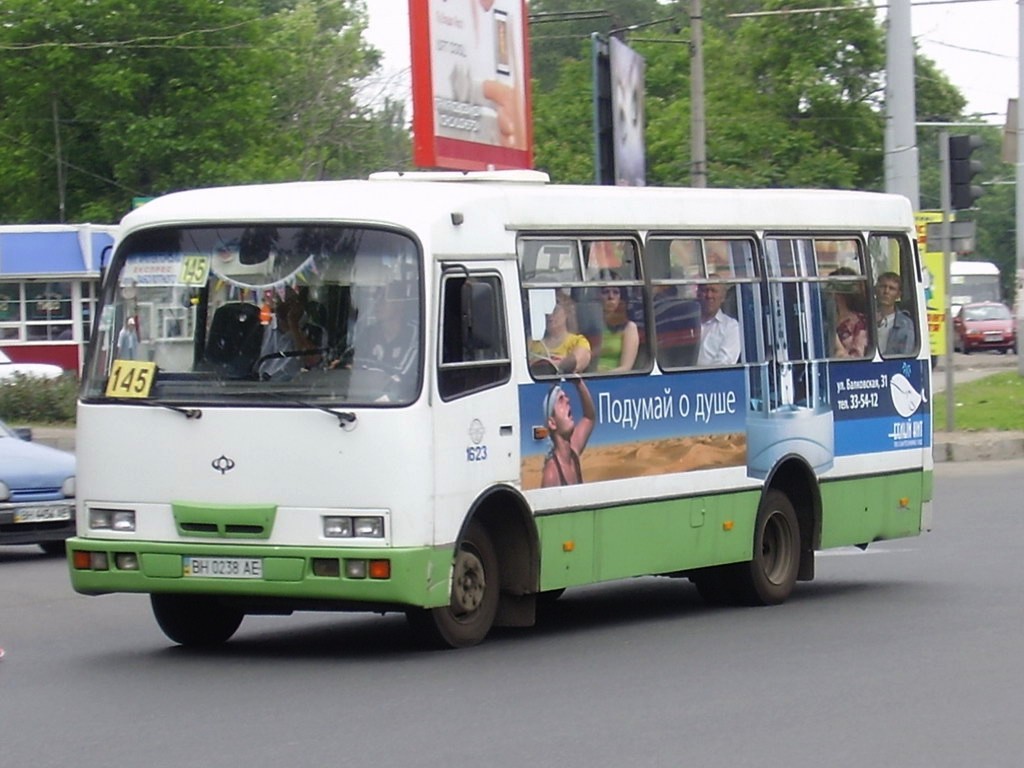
x=223, y=567
x=42, y=514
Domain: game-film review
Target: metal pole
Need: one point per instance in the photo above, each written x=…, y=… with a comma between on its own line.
x=901, y=166
x=60, y=162
x=1019, y=300
x=946, y=201
x=698, y=151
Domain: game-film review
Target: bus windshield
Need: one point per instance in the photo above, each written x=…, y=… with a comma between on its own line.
x=260, y=314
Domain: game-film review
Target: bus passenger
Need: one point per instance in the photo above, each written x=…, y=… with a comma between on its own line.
x=568, y=437
x=390, y=344
x=851, y=337
x=561, y=348
x=719, y=333
x=895, y=327
x=620, y=339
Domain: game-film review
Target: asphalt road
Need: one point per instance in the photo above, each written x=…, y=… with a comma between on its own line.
x=905, y=655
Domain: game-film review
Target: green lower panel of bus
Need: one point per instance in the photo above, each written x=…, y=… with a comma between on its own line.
x=417, y=577
x=866, y=509
x=586, y=546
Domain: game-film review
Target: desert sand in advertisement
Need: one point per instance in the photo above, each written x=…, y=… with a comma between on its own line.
x=649, y=457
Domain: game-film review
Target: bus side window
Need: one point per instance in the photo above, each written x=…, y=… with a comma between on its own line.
x=474, y=335
x=895, y=299
x=678, y=326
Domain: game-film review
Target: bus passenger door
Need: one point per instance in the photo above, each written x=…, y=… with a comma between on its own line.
x=793, y=416
x=475, y=414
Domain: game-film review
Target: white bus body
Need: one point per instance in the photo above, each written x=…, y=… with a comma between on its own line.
x=350, y=485
x=973, y=281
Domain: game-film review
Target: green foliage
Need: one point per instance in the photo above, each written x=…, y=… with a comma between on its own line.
x=993, y=402
x=104, y=101
x=107, y=100
x=563, y=127
x=790, y=100
x=26, y=400
x=781, y=108
x=560, y=30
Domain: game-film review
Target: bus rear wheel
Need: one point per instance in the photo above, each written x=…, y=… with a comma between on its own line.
x=768, y=578
x=470, y=613
x=195, y=620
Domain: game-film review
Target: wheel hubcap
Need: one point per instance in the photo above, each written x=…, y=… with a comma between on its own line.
x=776, y=548
x=469, y=583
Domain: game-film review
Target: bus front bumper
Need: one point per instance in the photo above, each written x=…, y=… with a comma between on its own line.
x=415, y=577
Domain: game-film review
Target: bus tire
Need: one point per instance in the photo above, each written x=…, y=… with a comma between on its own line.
x=195, y=620
x=470, y=614
x=768, y=578
x=714, y=585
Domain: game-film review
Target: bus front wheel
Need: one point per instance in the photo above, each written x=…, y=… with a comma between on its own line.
x=195, y=620
x=768, y=578
x=470, y=613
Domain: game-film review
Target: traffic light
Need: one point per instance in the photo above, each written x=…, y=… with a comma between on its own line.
x=962, y=169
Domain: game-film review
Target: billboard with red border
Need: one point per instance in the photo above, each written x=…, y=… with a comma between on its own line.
x=470, y=84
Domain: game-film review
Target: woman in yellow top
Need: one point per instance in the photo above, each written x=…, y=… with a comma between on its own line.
x=561, y=348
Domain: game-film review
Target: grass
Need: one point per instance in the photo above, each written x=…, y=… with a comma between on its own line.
x=994, y=402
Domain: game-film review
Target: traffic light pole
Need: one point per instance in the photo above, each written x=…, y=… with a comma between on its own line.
x=946, y=201
x=1019, y=277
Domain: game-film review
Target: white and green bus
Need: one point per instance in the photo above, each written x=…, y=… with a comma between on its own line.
x=456, y=395
x=972, y=281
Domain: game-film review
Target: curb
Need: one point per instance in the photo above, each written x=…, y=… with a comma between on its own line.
x=977, y=446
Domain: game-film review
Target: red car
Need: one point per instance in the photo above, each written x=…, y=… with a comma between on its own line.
x=984, y=325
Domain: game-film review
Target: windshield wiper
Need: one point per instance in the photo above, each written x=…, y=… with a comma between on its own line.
x=345, y=418
x=188, y=413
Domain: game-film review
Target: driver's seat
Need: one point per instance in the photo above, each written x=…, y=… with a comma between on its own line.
x=233, y=343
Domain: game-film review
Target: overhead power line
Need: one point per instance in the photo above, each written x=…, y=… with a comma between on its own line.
x=835, y=9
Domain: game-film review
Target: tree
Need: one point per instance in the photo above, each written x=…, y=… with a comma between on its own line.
x=790, y=101
x=136, y=99
x=563, y=126
x=560, y=30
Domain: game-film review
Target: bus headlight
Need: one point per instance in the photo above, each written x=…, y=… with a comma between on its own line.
x=68, y=487
x=368, y=527
x=111, y=519
x=337, y=527
x=345, y=527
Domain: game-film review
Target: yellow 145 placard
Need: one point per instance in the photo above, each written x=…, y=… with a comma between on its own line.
x=131, y=378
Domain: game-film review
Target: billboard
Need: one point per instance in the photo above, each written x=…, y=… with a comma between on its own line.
x=933, y=273
x=618, y=113
x=470, y=84
x=627, y=81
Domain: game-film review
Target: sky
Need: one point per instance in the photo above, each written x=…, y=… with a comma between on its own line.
x=975, y=42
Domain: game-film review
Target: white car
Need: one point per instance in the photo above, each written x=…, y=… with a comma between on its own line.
x=10, y=369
